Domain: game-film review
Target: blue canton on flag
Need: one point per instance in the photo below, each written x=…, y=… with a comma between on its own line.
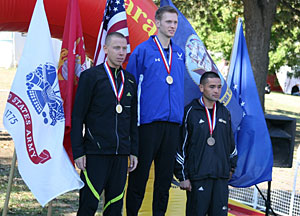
x=114, y=20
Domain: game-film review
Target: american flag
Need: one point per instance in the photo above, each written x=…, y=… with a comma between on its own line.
x=114, y=20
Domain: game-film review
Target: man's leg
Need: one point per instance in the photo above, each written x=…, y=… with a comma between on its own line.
x=164, y=167
x=138, y=178
x=199, y=198
x=114, y=189
x=88, y=203
x=219, y=203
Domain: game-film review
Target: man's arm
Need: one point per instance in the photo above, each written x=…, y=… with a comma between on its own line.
x=133, y=121
x=181, y=155
x=80, y=108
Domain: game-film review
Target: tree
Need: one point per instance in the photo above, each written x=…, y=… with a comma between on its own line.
x=271, y=29
x=259, y=16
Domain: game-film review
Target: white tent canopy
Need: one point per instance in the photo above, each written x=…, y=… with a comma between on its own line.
x=286, y=82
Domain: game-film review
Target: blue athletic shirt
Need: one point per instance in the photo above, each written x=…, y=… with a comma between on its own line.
x=157, y=100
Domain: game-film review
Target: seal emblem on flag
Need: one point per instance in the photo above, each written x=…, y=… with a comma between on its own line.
x=43, y=92
x=197, y=58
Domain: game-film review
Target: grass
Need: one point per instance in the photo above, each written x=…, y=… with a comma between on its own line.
x=287, y=105
x=22, y=202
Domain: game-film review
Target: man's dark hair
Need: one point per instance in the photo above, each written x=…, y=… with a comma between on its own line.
x=113, y=34
x=160, y=11
x=208, y=74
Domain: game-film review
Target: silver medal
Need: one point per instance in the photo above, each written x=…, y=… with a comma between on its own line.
x=211, y=141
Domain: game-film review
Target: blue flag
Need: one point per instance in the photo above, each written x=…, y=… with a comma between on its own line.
x=255, y=157
x=197, y=62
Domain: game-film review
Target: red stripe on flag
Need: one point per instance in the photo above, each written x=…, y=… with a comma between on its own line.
x=118, y=26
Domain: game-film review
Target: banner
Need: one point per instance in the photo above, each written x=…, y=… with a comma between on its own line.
x=35, y=119
x=71, y=64
x=255, y=156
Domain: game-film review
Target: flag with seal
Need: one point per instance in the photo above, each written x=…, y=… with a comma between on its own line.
x=34, y=116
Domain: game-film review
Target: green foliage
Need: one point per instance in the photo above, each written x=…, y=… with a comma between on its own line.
x=285, y=37
x=215, y=23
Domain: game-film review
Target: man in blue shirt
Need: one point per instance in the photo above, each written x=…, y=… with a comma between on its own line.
x=158, y=66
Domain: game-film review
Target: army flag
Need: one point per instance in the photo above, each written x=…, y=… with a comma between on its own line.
x=35, y=119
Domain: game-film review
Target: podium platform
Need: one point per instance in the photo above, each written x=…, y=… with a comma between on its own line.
x=177, y=202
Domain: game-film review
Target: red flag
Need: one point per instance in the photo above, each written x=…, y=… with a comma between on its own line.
x=71, y=63
x=114, y=20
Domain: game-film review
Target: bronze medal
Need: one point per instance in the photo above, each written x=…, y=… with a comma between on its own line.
x=169, y=79
x=211, y=141
x=119, y=108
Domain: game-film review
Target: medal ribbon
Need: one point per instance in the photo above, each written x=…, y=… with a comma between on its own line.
x=211, y=122
x=119, y=93
x=167, y=64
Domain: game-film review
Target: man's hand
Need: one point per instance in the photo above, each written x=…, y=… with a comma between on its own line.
x=186, y=185
x=230, y=174
x=81, y=162
x=133, y=163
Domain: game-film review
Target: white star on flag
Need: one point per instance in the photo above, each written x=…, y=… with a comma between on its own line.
x=243, y=103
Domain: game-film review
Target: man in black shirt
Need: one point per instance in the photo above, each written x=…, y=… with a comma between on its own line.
x=106, y=104
x=207, y=155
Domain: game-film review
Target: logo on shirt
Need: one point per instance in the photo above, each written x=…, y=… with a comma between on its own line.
x=222, y=121
x=157, y=59
x=201, y=189
x=201, y=121
x=128, y=94
x=179, y=56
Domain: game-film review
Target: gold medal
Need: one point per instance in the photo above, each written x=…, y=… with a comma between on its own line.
x=211, y=141
x=169, y=79
x=119, y=108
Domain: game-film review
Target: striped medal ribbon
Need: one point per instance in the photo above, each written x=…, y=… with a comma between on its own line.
x=119, y=93
x=169, y=78
x=211, y=122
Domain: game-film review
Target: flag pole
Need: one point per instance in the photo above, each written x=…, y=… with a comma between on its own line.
x=49, y=208
x=11, y=175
